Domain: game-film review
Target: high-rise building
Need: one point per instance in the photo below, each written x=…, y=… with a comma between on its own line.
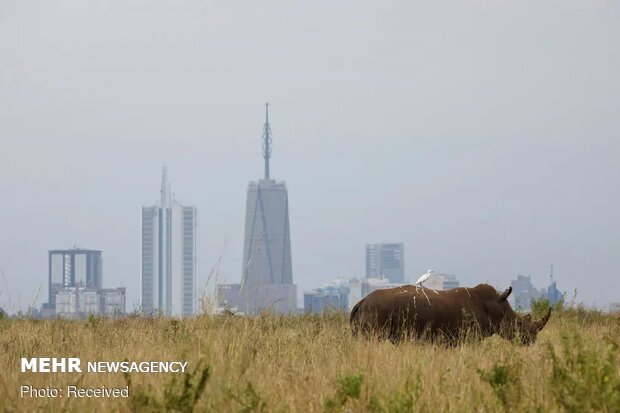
x=168, y=280
x=553, y=294
x=71, y=268
x=386, y=261
x=524, y=292
x=267, y=273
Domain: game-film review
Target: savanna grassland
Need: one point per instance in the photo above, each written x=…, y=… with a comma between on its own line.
x=313, y=364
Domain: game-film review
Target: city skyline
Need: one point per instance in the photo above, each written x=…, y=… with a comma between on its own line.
x=488, y=150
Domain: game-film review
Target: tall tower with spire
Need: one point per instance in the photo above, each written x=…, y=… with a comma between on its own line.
x=168, y=276
x=267, y=274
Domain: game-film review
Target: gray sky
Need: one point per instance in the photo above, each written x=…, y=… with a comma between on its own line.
x=485, y=135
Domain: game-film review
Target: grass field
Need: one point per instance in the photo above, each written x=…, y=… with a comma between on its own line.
x=313, y=364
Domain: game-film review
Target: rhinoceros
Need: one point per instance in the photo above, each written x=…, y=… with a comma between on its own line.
x=448, y=315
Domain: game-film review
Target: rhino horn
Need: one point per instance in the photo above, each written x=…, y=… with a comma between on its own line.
x=503, y=296
x=540, y=324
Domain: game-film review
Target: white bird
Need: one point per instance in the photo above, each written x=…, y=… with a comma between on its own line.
x=424, y=277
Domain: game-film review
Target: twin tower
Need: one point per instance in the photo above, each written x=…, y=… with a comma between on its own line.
x=168, y=279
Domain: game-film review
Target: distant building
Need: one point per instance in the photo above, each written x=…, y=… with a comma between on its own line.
x=524, y=292
x=333, y=296
x=168, y=279
x=48, y=310
x=73, y=267
x=267, y=271
x=369, y=285
x=227, y=297
x=75, y=279
x=359, y=289
x=450, y=281
x=553, y=294
x=386, y=261
x=112, y=301
x=76, y=302
x=277, y=298
x=79, y=302
x=316, y=301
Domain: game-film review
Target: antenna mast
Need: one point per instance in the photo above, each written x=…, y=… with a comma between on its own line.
x=165, y=188
x=266, y=141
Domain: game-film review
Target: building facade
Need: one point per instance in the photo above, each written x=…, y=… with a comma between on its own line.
x=73, y=267
x=168, y=275
x=79, y=302
x=386, y=261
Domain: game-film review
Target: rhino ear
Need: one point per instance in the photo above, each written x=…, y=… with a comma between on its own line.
x=503, y=296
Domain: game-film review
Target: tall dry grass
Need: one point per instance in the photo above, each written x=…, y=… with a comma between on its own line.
x=313, y=364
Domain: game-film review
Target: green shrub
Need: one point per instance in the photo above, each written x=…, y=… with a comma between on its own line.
x=93, y=321
x=347, y=387
x=401, y=401
x=585, y=316
x=583, y=378
x=505, y=381
x=180, y=395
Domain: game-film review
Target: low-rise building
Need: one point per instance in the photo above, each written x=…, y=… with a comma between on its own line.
x=112, y=301
x=79, y=302
x=450, y=281
x=227, y=297
x=334, y=295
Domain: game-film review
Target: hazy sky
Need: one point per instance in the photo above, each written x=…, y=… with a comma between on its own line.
x=485, y=135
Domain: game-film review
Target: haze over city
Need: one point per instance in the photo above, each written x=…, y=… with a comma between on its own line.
x=483, y=135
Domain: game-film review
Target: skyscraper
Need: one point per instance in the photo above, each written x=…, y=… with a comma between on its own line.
x=385, y=261
x=73, y=267
x=267, y=274
x=524, y=292
x=168, y=280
